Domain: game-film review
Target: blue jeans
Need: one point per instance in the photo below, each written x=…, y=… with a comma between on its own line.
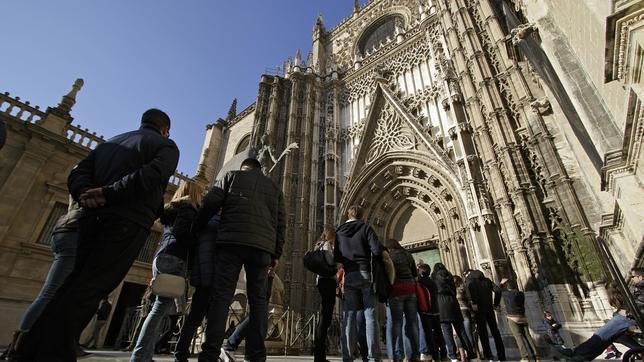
x=603, y=337
x=407, y=306
x=64, y=246
x=144, y=349
x=358, y=295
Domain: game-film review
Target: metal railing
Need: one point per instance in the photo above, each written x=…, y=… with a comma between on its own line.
x=295, y=331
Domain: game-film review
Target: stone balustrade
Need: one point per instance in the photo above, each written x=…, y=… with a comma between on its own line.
x=178, y=177
x=23, y=111
x=83, y=137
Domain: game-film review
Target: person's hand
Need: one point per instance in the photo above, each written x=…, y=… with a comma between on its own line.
x=274, y=264
x=93, y=198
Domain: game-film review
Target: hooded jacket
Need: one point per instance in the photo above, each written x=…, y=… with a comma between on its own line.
x=133, y=169
x=252, y=211
x=356, y=243
x=448, y=307
x=482, y=292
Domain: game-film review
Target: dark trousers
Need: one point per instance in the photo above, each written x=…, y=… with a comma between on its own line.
x=108, y=246
x=326, y=287
x=198, y=310
x=241, y=331
x=433, y=335
x=228, y=263
x=462, y=336
x=485, y=320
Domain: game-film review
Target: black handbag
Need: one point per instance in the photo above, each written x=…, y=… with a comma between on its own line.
x=316, y=261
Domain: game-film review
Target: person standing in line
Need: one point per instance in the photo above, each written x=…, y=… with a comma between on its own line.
x=120, y=186
x=202, y=271
x=170, y=258
x=251, y=235
x=326, y=288
x=63, y=243
x=484, y=295
x=466, y=308
x=431, y=321
x=102, y=314
x=514, y=301
x=357, y=244
x=450, y=313
x=552, y=329
x=239, y=333
x=403, y=302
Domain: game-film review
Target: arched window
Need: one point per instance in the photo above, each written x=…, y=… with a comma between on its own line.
x=243, y=144
x=378, y=33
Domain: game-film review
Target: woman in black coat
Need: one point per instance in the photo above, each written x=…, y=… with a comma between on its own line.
x=450, y=312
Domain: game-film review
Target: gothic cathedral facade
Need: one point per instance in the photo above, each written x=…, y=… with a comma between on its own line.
x=479, y=133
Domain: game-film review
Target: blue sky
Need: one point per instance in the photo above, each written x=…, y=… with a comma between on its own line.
x=189, y=58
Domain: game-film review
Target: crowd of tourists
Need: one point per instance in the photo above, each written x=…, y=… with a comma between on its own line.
x=117, y=193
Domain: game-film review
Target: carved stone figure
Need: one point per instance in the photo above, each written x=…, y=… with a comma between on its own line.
x=266, y=154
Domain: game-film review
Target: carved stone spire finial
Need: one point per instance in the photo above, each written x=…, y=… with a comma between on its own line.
x=69, y=99
x=232, y=111
x=356, y=6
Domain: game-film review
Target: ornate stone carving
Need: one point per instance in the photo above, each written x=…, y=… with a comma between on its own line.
x=521, y=31
x=391, y=134
x=541, y=106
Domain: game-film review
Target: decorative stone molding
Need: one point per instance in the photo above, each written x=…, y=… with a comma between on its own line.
x=541, y=106
x=391, y=134
x=618, y=27
x=521, y=31
x=626, y=160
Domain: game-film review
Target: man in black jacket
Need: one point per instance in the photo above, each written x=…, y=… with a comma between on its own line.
x=120, y=186
x=484, y=296
x=251, y=234
x=356, y=244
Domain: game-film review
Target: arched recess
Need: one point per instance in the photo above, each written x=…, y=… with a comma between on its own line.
x=243, y=144
x=402, y=179
x=399, y=12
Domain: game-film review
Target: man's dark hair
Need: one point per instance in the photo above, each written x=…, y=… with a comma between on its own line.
x=354, y=212
x=638, y=271
x=155, y=117
x=251, y=163
x=424, y=270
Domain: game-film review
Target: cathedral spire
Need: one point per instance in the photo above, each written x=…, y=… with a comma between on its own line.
x=232, y=111
x=298, y=58
x=356, y=6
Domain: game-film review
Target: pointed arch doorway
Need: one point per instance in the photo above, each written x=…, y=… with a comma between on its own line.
x=416, y=232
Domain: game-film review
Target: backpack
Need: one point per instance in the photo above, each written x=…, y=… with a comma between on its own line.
x=317, y=261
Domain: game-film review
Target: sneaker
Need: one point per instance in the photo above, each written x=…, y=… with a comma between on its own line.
x=225, y=356
x=610, y=355
x=425, y=357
